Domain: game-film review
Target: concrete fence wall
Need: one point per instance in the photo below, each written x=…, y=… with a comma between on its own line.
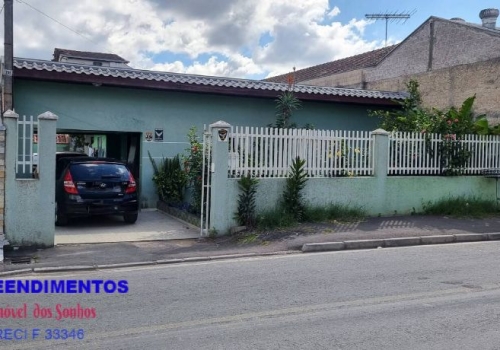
x=377, y=195
x=29, y=203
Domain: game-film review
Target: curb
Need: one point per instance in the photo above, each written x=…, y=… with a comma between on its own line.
x=50, y=269
x=306, y=248
x=399, y=242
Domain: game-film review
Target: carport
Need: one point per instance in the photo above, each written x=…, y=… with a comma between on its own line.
x=123, y=146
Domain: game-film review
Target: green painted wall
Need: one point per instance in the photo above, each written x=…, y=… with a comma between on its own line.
x=399, y=195
x=89, y=108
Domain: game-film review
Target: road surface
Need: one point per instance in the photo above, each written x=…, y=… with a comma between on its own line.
x=426, y=297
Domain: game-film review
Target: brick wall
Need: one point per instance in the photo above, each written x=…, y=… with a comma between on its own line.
x=352, y=79
x=410, y=57
x=452, y=44
x=451, y=86
x=457, y=44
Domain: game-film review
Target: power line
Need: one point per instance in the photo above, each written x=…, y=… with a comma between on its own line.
x=58, y=22
x=1, y=10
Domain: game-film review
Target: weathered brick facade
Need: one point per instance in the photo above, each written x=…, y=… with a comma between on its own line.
x=451, y=61
x=438, y=44
x=451, y=86
x=353, y=79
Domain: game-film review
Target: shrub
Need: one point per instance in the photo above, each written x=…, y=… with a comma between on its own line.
x=451, y=124
x=193, y=166
x=169, y=178
x=245, y=214
x=292, y=200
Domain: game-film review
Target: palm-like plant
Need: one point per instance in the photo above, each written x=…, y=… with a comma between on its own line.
x=286, y=103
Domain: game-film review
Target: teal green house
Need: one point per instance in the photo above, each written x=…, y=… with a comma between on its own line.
x=126, y=113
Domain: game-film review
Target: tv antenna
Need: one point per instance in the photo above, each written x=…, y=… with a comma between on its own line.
x=395, y=17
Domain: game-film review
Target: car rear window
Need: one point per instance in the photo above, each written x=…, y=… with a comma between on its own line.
x=99, y=171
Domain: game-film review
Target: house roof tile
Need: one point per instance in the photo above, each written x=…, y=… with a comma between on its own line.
x=364, y=60
x=25, y=66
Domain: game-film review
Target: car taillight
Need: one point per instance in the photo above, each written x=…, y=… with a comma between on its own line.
x=69, y=186
x=131, y=187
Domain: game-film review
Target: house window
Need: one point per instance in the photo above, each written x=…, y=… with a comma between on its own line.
x=97, y=63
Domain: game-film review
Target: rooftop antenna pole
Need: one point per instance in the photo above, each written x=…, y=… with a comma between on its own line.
x=393, y=17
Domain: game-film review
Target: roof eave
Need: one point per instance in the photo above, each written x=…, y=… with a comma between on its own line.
x=21, y=73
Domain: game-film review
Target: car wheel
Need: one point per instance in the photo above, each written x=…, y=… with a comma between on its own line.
x=130, y=218
x=61, y=220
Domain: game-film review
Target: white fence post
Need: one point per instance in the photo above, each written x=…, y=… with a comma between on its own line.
x=381, y=152
x=221, y=216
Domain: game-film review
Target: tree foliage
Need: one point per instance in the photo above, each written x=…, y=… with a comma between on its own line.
x=452, y=124
x=413, y=117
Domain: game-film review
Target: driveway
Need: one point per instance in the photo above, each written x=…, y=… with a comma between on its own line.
x=152, y=225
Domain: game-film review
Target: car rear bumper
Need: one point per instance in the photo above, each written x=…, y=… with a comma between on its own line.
x=89, y=208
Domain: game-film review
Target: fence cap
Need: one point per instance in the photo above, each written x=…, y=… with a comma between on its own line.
x=10, y=114
x=380, y=132
x=220, y=124
x=48, y=116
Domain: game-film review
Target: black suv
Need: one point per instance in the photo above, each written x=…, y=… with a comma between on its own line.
x=88, y=186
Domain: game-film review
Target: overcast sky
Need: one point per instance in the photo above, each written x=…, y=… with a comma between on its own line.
x=237, y=38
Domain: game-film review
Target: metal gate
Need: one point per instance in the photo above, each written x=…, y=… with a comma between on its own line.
x=27, y=158
x=206, y=182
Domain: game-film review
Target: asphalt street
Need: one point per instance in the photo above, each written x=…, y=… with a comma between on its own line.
x=425, y=297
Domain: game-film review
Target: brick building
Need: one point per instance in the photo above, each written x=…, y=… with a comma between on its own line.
x=451, y=59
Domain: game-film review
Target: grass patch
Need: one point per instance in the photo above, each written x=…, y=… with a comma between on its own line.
x=333, y=212
x=248, y=238
x=279, y=218
x=461, y=207
x=275, y=218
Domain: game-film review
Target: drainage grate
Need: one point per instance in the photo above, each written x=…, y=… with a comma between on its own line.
x=20, y=260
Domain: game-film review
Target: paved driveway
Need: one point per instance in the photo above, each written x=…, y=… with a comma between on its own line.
x=152, y=225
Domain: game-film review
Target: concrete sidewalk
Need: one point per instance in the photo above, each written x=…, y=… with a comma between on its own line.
x=108, y=255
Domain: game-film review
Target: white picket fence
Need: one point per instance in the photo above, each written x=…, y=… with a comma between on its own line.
x=419, y=154
x=269, y=152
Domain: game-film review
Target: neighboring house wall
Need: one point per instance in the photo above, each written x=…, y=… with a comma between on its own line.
x=451, y=86
x=91, y=62
x=451, y=61
x=353, y=79
x=435, y=45
x=89, y=108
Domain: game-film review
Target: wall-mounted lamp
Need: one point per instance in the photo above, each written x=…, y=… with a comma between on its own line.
x=96, y=84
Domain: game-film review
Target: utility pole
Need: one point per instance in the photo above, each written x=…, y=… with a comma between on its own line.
x=393, y=17
x=8, y=55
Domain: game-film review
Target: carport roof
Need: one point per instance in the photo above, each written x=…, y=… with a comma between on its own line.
x=129, y=77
